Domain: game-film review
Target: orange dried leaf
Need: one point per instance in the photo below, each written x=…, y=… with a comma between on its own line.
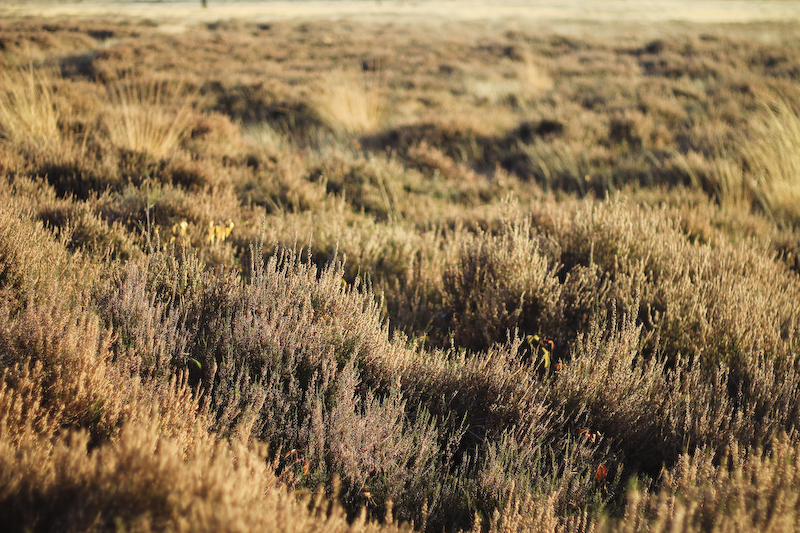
x=602, y=472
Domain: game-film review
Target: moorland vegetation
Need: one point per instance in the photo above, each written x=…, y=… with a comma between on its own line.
x=335, y=276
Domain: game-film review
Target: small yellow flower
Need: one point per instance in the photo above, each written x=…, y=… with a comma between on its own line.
x=218, y=233
x=180, y=233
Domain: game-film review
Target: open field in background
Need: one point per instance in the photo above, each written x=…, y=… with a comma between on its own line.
x=370, y=272
x=567, y=11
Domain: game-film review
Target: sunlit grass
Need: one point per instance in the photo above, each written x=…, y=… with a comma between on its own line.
x=350, y=102
x=722, y=176
x=533, y=76
x=148, y=116
x=774, y=159
x=528, y=79
x=27, y=112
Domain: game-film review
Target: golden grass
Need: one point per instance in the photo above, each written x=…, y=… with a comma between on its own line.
x=350, y=101
x=722, y=175
x=773, y=155
x=28, y=115
x=533, y=75
x=148, y=116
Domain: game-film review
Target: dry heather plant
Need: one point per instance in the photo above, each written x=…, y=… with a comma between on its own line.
x=35, y=262
x=443, y=357
x=745, y=490
x=350, y=101
x=86, y=444
x=499, y=284
x=242, y=345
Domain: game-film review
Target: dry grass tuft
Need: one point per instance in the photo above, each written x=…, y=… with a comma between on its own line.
x=149, y=116
x=28, y=115
x=773, y=158
x=533, y=75
x=350, y=101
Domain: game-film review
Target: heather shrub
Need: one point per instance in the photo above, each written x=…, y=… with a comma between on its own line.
x=75, y=171
x=674, y=271
x=393, y=423
x=280, y=183
x=704, y=366
x=499, y=285
x=192, y=174
x=161, y=470
x=400, y=263
x=153, y=208
x=56, y=379
x=86, y=231
x=33, y=261
x=409, y=343
x=143, y=456
x=213, y=134
x=374, y=185
x=460, y=138
x=740, y=490
x=60, y=357
x=614, y=267
x=455, y=181
x=291, y=329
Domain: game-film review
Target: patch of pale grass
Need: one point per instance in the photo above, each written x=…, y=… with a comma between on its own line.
x=533, y=75
x=560, y=165
x=492, y=91
x=528, y=79
x=350, y=101
x=773, y=157
x=149, y=116
x=721, y=175
x=28, y=115
x=263, y=136
x=731, y=182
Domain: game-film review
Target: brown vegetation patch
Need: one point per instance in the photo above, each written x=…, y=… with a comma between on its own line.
x=500, y=278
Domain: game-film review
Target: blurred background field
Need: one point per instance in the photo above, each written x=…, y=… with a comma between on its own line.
x=568, y=11
x=370, y=266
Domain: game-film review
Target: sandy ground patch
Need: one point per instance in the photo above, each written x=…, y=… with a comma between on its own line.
x=178, y=14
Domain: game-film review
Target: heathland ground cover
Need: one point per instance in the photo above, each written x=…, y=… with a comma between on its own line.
x=364, y=275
